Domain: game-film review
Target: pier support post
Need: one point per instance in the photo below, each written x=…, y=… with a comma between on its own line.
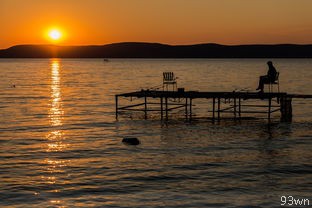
x=239, y=107
x=213, y=108
x=166, y=103
x=190, y=108
x=235, y=107
x=269, y=110
x=219, y=108
x=161, y=108
x=116, y=105
x=286, y=109
x=145, y=107
x=186, y=113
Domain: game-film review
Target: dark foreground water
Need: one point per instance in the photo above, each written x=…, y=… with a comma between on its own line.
x=60, y=145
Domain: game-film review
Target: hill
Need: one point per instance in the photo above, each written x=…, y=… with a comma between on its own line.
x=156, y=50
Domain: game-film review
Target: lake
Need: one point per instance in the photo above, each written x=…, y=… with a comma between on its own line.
x=61, y=144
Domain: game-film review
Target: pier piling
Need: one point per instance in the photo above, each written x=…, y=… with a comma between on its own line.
x=186, y=105
x=235, y=107
x=191, y=108
x=239, y=107
x=213, y=108
x=161, y=108
x=145, y=107
x=269, y=111
x=286, y=109
x=219, y=104
x=116, y=106
x=166, y=103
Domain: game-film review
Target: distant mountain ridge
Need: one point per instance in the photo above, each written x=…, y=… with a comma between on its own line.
x=157, y=50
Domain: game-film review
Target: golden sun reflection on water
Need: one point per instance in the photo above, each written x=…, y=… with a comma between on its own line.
x=56, y=111
x=55, y=137
x=56, y=144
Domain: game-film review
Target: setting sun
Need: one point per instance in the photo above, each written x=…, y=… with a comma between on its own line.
x=55, y=34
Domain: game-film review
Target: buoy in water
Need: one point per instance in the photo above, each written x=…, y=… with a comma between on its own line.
x=131, y=141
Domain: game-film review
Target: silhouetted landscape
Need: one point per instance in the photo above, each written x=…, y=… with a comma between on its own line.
x=157, y=50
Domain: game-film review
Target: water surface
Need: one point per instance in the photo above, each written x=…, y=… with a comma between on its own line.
x=61, y=145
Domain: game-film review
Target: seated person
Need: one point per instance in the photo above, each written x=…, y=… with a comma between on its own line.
x=269, y=78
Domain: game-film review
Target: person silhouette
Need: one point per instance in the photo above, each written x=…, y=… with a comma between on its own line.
x=269, y=78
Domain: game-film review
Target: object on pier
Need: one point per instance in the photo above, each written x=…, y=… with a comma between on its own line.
x=169, y=79
x=272, y=83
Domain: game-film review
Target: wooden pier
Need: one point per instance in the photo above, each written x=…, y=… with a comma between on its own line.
x=274, y=102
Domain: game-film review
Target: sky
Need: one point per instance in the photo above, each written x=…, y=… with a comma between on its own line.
x=98, y=22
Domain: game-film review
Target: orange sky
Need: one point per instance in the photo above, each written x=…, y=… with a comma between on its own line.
x=87, y=22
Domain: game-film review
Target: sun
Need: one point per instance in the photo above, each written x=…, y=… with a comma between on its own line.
x=55, y=34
